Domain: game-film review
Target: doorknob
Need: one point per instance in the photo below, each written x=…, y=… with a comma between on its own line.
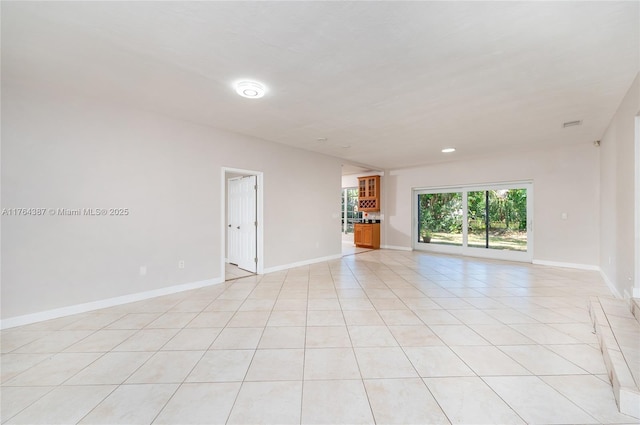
x=238, y=227
x=229, y=225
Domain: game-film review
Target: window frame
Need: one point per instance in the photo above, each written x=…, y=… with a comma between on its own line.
x=499, y=254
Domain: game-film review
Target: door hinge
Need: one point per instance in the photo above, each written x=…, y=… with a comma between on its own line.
x=255, y=223
x=255, y=187
x=255, y=260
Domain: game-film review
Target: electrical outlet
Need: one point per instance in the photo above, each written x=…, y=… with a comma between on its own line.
x=143, y=270
x=181, y=264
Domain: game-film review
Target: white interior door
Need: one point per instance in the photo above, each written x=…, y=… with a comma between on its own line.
x=233, y=216
x=241, y=228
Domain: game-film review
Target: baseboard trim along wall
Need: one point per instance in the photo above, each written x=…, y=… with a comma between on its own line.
x=610, y=285
x=301, y=263
x=27, y=319
x=566, y=265
x=397, y=248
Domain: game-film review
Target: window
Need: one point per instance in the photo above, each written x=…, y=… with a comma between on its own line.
x=491, y=221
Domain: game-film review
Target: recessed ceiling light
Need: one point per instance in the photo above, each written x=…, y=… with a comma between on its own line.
x=448, y=150
x=250, y=89
x=346, y=146
x=322, y=139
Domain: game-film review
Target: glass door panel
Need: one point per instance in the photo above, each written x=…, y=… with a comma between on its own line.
x=503, y=225
x=477, y=219
x=349, y=210
x=440, y=218
x=508, y=219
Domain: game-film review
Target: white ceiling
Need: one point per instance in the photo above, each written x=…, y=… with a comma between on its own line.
x=394, y=81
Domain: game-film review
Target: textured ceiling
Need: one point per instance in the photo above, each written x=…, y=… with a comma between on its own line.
x=394, y=81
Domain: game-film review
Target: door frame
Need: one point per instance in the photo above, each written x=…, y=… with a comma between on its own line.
x=259, y=215
x=636, y=283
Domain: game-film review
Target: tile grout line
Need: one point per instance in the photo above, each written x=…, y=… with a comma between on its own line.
x=244, y=379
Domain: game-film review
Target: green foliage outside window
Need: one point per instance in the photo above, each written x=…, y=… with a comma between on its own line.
x=507, y=210
x=441, y=216
x=441, y=212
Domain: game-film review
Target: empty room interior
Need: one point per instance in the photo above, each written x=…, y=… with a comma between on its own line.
x=320, y=212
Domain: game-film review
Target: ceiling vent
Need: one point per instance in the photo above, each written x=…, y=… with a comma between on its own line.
x=571, y=123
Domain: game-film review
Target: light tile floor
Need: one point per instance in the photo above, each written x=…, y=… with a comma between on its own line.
x=348, y=248
x=231, y=272
x=382, y=336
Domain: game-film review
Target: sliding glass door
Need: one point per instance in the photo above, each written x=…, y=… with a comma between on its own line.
x=497, y=219
x=489, y=221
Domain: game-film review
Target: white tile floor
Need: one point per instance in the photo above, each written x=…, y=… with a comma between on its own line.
x=382, y=336
x=231, y=272
x=348, y=248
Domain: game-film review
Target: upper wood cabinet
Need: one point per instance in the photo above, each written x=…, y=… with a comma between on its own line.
x=369, y=193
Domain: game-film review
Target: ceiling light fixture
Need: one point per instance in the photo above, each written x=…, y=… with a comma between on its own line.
x=322, y=139
x=250, y=89
x=448, y=150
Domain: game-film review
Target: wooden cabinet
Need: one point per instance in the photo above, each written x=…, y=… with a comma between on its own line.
x=366, y=235
x=369, y=193
x=358, y=229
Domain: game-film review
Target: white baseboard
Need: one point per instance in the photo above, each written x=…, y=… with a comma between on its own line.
x=396, y=248
x=610, y=285
x=566, y=265
x=27, y=319
x=301, y=263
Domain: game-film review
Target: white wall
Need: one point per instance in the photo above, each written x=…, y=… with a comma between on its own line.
x=617, y=206
x=63, y=152
x=565, y=180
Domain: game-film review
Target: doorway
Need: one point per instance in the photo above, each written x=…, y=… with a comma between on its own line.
x=242, y=223
x=350, y=213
